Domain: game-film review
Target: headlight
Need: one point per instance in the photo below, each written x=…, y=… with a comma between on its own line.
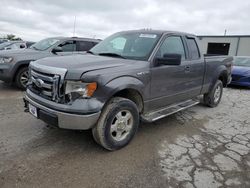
x=75, y=90
x=5, y=59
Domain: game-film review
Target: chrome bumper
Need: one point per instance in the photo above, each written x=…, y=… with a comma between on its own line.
x=66, y=120
x=229, y=80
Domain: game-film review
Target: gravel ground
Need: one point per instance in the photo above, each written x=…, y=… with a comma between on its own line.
x=198, y=147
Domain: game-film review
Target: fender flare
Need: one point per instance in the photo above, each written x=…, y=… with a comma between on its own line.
x=17, y=66
x=124, y=82
x=216, y=75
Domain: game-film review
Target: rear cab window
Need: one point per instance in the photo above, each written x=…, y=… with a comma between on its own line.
x=194, y=52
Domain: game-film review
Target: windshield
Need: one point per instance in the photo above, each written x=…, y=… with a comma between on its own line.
x=5, y=44
x=129, y=45
x=44, y=44
x=242, y=61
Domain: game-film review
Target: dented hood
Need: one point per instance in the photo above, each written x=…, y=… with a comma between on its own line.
x=77, y=65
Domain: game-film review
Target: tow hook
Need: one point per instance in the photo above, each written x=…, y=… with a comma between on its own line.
x=25, y=105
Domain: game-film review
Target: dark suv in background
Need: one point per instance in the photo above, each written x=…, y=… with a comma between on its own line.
x=3, y=40
x=15, y=45
x=14, y=63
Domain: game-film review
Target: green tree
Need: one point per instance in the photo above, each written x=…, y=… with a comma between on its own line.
x=12, y=37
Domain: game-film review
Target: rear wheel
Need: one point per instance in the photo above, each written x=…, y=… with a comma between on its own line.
x=22, y=78
x=117, y=125
x=213, y=98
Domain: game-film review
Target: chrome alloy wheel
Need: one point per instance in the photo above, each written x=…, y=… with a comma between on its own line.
x=121, y=125
x=217, y=94
x=24, y=78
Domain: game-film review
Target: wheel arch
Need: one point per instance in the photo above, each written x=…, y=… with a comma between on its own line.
x=220, y=74
x=133, y=95
x=127, y=87
x=223, y=77
x=18, y=67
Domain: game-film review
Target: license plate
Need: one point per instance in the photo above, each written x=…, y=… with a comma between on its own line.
x=33, y=110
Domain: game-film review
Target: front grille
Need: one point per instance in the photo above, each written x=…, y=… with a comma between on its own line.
x=45, y=85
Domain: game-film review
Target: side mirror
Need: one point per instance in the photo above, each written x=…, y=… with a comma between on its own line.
x=22, y=46
x=169, y=59
x=57, y=49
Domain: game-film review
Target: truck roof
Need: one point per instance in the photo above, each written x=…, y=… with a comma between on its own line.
x=153, y=31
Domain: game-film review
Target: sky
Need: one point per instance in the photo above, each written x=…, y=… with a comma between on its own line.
x=37, y=19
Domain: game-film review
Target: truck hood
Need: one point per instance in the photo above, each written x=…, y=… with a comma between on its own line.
x=79, y=64
x=19, y=52
x=25, y=54
x=239, y=70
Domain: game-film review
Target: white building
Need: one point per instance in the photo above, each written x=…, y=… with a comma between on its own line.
x=234, y=45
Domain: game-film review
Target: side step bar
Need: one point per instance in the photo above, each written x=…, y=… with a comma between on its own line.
x=164, y=112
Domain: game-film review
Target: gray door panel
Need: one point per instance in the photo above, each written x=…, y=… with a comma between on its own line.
x=194, y=77
x=170, y=83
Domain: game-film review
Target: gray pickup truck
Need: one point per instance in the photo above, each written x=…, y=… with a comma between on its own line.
x=131, y=76
x=14, y=63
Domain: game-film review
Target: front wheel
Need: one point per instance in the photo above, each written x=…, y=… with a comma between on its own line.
x=213, y=98
x=22, y=78
x=117, y=125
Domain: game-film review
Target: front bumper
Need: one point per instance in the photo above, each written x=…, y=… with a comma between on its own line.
x=5, y=72
x=238, y=83
x=229, y=80
x=63, y=119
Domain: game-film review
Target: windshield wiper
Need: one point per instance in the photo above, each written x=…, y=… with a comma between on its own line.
x=112, y=55
x=90, y=52
x=35, y=48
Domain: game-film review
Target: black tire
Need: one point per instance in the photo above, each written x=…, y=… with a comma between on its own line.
x=102, y=132
x=213, y=98
x=19, y=80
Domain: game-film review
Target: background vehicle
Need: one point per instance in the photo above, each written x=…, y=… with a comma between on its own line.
x=14, y=63
x=3, y=40
x=241, y=71
x=132, y=75
x=15, y=45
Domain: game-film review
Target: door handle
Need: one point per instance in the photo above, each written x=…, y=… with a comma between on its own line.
x=187, y=69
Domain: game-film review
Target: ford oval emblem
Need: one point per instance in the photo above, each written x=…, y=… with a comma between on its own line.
x=39, y=83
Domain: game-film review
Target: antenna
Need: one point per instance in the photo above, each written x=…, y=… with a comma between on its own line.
x=74, y=27
x=225, y=33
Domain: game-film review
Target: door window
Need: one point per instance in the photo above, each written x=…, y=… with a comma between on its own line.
x=15, y=46
x=68, y=46
x=172, y=45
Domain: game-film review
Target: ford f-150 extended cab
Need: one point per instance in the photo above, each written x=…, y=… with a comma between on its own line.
x=131, y=76
x=14, y=63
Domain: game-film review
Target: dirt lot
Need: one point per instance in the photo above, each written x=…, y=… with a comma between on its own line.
x=199, y=147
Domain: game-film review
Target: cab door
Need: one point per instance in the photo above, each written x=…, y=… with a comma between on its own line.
x=171, y=83
x=196, y=66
